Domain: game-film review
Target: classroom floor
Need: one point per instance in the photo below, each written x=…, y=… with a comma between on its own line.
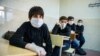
x=89, y=53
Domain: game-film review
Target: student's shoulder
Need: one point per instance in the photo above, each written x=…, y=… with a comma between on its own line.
x=26, y=23
x=82, y=26
x=74, y=24
x=44, y=25
x=68, y=27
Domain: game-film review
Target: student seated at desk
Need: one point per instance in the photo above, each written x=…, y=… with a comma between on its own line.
x=61, y=28
x=71, y=24
x=79, y=36
x=33, y=33
x=73, y=31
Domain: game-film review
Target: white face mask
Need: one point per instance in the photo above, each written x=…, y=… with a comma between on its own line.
x=71, y=22
x=63, y=25
x=36, y=22
x=79, y=24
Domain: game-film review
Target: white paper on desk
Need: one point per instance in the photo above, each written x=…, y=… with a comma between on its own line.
x=66, y=38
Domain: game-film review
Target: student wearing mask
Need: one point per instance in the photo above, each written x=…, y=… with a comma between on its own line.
x=71, y=24
x=33, y=33
x=61, y=28
x=79, y=36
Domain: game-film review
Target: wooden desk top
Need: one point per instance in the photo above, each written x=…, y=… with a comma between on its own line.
x=8, y=50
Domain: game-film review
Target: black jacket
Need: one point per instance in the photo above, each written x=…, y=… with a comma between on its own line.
x=73, y=27
x=26, y=33
x=58, y=30
x=79, y=29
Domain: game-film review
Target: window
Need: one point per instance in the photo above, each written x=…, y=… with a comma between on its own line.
x=2, y=14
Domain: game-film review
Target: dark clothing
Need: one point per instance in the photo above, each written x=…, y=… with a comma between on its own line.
x=58, y=30
x=56, y=51
x=81, y=40
x=73, y=27
x=26, y=33
x=66, y=45
x=74, y=44
x=79, y=29
x=80, y=37
x=65, y=32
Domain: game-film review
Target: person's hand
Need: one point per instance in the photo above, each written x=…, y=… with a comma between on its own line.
x=72, y=32
x=58, y=23
x=33, y=47
x=42, y=51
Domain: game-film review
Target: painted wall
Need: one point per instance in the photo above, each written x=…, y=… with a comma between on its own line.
x=79, y=9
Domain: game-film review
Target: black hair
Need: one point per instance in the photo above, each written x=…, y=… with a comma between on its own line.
x=70, y=18
x=63, y=18
x=36, y=10
x=80, y=20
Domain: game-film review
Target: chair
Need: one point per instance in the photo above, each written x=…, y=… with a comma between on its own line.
x=57, y=40
x=71, y=51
